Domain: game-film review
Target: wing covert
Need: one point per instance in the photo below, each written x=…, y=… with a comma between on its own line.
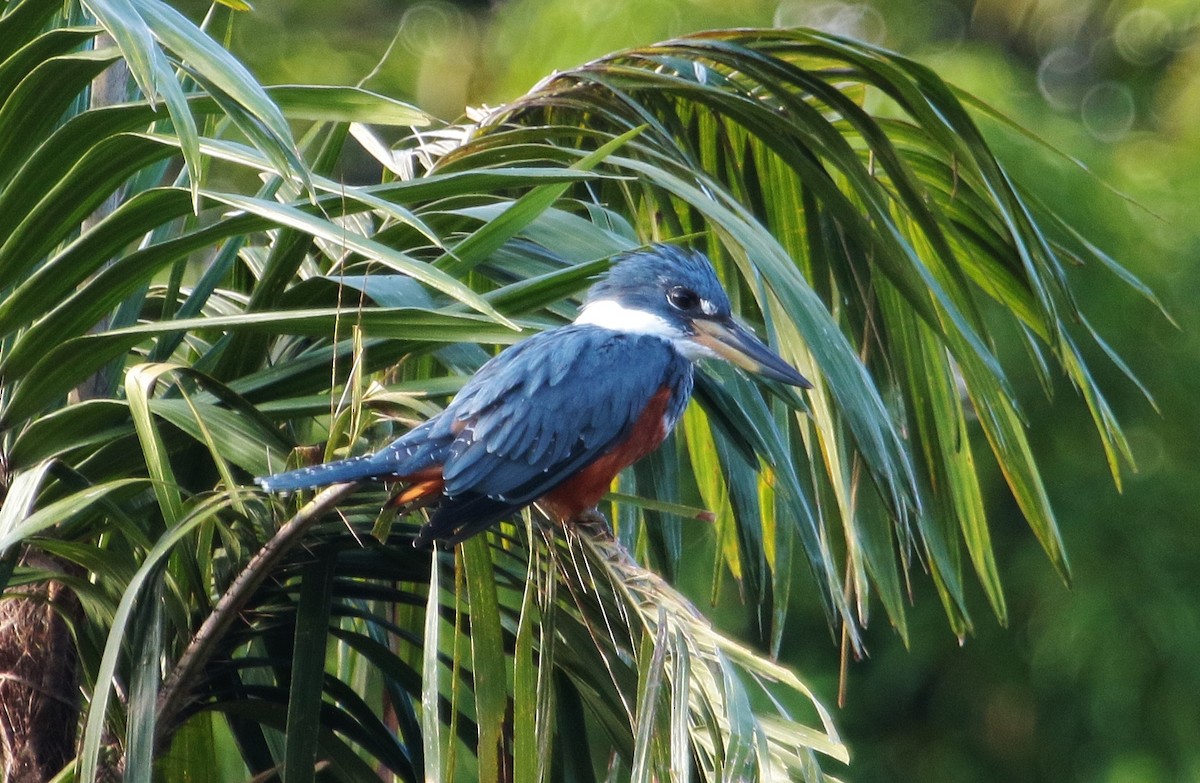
x=532, y=417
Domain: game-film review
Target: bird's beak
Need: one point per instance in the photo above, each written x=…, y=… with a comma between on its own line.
x=737, y=345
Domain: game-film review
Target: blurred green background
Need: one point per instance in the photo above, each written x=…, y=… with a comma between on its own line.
x=1098, y=681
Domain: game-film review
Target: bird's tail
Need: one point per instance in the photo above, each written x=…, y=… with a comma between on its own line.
x=352, y=469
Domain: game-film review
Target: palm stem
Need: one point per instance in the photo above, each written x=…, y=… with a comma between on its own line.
x=172, y=697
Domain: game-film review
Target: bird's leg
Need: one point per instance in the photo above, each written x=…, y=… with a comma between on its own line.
x=592, y=522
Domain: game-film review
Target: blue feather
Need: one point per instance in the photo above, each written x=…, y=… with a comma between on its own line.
x=521, y=444
x=354, y=469
x=526, y=427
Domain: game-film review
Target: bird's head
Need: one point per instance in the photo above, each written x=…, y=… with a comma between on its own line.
x=674, y=294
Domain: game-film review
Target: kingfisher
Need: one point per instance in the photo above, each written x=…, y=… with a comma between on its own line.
x=553, y=419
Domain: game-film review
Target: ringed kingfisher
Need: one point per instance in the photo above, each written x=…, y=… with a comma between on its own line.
x=553, y=419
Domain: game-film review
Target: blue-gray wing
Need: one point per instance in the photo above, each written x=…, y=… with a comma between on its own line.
x=541, y=411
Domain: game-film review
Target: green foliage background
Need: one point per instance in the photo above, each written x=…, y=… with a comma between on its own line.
x=1097, y=681
x=113, y=483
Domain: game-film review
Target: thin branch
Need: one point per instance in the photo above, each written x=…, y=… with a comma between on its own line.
x=177, y=687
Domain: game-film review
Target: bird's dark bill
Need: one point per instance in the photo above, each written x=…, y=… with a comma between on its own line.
x=740, y=347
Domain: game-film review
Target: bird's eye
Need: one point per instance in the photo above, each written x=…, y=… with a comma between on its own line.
x=682, y=298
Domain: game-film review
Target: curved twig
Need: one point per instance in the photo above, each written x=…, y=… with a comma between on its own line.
x=178, y=683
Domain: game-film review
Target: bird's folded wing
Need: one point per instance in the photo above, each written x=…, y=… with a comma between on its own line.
x=539, y=413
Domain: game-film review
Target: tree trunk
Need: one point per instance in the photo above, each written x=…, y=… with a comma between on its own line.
x=39, y=682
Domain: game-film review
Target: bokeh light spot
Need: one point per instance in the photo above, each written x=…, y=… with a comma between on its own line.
x=1108, y=111
x=1141, y=37
x=853, y=20
x=424, y=26
x=1058, y=77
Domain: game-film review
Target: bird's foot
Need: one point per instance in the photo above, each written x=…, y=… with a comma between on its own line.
x=592, y=522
